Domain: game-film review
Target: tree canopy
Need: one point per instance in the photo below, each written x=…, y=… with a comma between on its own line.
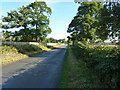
x=33, y=19
x=95, y=21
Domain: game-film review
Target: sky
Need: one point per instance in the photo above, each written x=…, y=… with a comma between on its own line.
x=63, y=12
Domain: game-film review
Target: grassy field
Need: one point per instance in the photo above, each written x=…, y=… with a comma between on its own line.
x=13, y=53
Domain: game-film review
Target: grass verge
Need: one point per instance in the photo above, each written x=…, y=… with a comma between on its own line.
x=65, y=76
x=76, y=75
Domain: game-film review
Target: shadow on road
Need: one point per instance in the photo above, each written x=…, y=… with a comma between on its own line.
x=39, y=71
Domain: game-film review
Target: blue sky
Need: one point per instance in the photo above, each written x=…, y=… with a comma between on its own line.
x=63, y=12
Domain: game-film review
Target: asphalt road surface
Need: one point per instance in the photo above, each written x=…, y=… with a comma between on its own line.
x=40, y=71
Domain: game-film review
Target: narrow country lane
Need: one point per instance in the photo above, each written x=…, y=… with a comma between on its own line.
x=40, y=71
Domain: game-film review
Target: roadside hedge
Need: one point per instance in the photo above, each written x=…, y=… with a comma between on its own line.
x=103, y=60
x=19, y=48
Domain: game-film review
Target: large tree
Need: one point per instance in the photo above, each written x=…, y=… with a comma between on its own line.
x=109, y=20
x=34, y=20
x=96, y=21
x=83, y=25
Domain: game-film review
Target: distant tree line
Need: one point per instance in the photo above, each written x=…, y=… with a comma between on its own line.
x=33, y=21
x=52, y=40
x=94, y=22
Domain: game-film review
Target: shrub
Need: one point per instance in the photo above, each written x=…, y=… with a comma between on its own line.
x=105, y=61
x=8, y=49
x=20, y=48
